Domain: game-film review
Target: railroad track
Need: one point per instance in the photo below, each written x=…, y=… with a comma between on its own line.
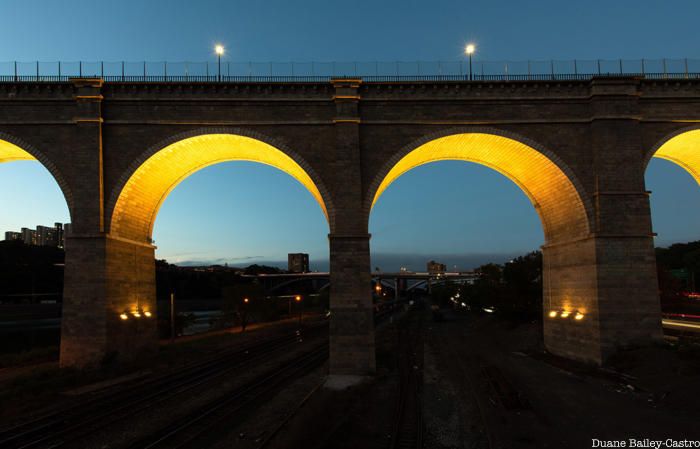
x=408, y=419
x=69, y=424
x=192, y=430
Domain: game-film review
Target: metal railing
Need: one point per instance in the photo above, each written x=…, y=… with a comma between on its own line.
x=232, y=72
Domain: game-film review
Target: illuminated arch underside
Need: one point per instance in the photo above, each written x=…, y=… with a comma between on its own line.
x=554, y=196
x=684, y=150
x=139, y=201
x=10, y=152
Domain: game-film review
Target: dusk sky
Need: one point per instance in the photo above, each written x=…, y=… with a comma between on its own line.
x=241, y=213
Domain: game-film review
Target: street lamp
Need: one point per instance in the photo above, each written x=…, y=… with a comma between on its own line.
x=469, y=50
x=297, y=298
x=219, y=51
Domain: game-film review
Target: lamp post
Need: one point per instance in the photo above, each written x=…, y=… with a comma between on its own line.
x=469, y=50
x=219, y=51
x=298, y=298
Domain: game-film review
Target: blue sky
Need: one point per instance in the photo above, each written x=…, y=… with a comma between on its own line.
x=457, y=212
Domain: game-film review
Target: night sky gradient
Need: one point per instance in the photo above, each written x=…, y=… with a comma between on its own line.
x=241, y=213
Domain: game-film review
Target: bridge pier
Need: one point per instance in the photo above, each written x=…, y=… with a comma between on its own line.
x=610, y=284
x=105, y=280
x=352, y=320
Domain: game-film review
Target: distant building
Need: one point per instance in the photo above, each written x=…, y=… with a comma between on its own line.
x=298, y=262
x=28, y=236
x=42, y=235
x=11, y=235
x=436, y=267
x=46, y=236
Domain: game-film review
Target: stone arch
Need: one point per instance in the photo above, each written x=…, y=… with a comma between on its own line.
x=682, y=147
x=559, y=198
x=15, y=149
x=134, y=203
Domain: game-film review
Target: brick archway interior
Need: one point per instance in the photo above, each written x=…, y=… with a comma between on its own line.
x=684, y=150
x=138, y=203
x=550, y=190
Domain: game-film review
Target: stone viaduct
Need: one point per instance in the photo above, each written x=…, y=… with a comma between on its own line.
x=578, y=149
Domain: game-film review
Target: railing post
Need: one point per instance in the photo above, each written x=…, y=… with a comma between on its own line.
x=15, y=71
x=59, y=70
x=620, y=66
x=102, y=69
x=228, y=69
x=664, y=60
x=80, y=68
x=551, y=67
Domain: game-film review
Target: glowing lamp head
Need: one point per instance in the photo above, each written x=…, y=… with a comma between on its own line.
x=578, y=316
x=124, y=316
x=469, y=49
x=553, y=314
x=219, y=49
x=245, y=300
x=565, y=314
x=297, y=298
x=136, y=314
x=147, y=314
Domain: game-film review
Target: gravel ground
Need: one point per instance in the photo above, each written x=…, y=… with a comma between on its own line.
x=554, y=403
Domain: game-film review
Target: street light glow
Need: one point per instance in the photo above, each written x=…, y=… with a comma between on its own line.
x=470, y=48
x=219, y=49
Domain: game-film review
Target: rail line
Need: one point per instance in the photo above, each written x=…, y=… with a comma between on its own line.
x=408, y=422
x=63, y=426
x=189, y=430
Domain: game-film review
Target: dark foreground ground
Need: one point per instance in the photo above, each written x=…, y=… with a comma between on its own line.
x=485, y=383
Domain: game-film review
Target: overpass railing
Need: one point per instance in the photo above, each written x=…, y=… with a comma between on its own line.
x=232, y=72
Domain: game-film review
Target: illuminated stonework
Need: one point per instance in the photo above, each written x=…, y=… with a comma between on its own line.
x=139, y=201
x=554, y=196
x=684, y=150
x=10, y=152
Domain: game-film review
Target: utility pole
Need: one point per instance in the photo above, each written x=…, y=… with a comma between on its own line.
x=172, y=317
